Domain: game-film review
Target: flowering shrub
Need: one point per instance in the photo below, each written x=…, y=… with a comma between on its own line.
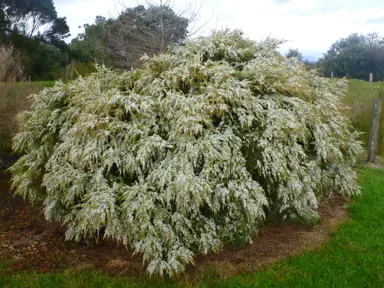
x=190, y=152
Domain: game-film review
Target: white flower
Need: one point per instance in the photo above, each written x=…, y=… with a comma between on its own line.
x=187, y=153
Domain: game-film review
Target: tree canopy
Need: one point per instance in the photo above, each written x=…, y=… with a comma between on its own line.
x=190, y=152
x=355, y=57
x=37, y=33
x=28, y=16
x=121, y=42
x=294, y=53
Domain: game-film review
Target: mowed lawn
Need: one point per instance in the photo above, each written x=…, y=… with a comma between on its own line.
x=354, y=257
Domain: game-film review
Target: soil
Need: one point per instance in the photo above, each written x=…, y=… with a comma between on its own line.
x=29, y=242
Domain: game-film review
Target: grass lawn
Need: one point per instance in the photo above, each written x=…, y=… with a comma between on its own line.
x=353, y=258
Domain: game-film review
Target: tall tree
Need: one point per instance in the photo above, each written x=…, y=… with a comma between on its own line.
x=90, y=45
x=355, y=57
x=58, y=31
x=136, y=31
x=28, y=16
x=35, y=30
x=142, y=30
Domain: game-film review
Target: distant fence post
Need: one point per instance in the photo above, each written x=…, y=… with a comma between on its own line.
x=374, y=133
x=331, y=75
x=370, y=77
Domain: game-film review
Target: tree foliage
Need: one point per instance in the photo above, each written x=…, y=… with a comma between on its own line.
x=137, y=31
x=294, y=53
x=36, y=32
x=28, y=16
x=90, y=45
x=190, y=152
x=355, y=57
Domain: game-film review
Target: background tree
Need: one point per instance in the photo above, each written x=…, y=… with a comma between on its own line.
x=136, y=31
x=58, y=31
x=141, y=30
x=28, y=16
x=294, y=53
x=37, y=34
x=355, y=57
x=90, y=45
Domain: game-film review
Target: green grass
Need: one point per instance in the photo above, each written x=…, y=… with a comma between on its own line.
x=44, y=83
x=360, y=98
x=353, y=258
x=363, y=92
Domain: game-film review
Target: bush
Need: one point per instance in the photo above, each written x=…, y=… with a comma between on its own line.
x=190, y=152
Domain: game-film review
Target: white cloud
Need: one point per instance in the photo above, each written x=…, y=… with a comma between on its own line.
x=310, y=25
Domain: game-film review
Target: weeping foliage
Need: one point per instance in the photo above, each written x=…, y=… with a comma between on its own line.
x=190, y=152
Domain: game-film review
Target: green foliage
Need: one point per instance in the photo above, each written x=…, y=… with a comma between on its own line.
x=45, y=84
x=76, y=69
x=28, y=16
x=58, y=31
x=191, y=151
x=355, y=57
x=294, y=53
x=84, y=69
x=44, y=55
x=42, y=60
x=89, y=46
x=117, y=43
x=121, y=42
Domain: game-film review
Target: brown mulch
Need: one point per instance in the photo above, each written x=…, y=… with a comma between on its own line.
x=278, y=241
x=32, y=243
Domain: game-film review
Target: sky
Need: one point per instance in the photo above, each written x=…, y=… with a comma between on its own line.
x=309, y=25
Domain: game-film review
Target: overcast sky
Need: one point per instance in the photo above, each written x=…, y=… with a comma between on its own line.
x=310, y=25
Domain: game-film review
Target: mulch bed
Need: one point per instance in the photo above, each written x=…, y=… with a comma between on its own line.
x=29, y=242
